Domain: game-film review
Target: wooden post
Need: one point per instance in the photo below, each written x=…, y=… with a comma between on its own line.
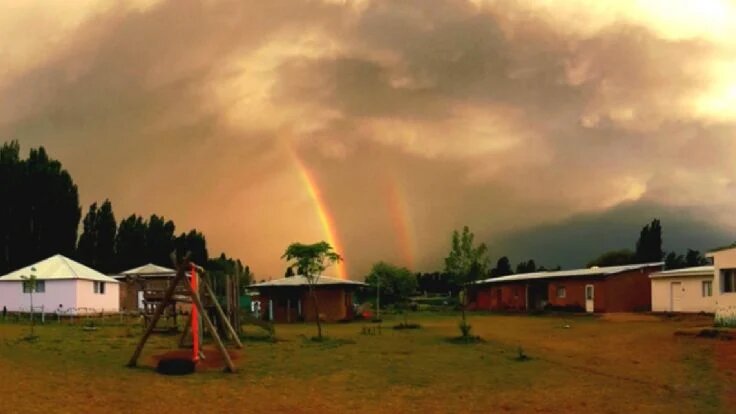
x=157, y=314
x=184, y=333
x=218, y=341
x=220, y=312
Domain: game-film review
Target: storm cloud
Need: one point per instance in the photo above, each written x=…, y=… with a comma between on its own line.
x=511, y=117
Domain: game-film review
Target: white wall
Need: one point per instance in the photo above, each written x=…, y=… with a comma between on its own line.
x=725, y=302
x=691, y=296
x=56, y=292
x=107, y=302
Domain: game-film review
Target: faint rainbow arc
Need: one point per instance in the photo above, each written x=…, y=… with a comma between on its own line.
x=401, y=222
x=326, y=220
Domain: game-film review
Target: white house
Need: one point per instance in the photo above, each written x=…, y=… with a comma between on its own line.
x=724, y=285
x=61, y=283
x=683, y=290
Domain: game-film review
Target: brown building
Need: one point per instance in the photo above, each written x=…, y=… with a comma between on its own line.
x=596, y=289
x=288, y=299
x=144, y=286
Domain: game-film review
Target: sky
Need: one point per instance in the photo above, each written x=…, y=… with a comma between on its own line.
x=554, y=129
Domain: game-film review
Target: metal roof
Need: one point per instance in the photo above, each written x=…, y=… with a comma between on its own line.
x=300, y=280
x=591, y=271
x=57, y=267
x=685, y=272
x=149, y=270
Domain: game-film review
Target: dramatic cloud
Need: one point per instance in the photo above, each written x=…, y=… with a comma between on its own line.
x=413, y=118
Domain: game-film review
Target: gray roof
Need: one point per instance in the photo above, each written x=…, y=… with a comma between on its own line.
x=148, y=270
x=591, y=271
x=300, y=280
x=685, y=272
x=57, y=267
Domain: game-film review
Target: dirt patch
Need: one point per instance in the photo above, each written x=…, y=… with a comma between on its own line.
x=725, y=353
x=630, y=317
x=212, y=361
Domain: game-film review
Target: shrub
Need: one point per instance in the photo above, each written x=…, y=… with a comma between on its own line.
x=465, y=329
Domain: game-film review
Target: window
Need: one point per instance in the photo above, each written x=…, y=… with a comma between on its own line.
x=561, y=293
x=40, y=287
x=707, y=288
x=100, y=287
x=728, y=280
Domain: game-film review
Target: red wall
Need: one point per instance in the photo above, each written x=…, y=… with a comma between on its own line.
x=501, y=297
x=335, y=304
x=622, y=292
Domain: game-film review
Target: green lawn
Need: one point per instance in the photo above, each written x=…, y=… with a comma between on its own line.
x=597, y=365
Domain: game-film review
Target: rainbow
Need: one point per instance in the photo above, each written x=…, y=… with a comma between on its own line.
x=326, y=220
x=400, y=221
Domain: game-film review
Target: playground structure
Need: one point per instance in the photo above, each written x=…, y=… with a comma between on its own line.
x=192, y=292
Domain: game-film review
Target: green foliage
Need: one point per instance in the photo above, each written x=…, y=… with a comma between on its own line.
x=96, y=246
x=289, y=272
x=311, y=259
x=396, y=284
x=503, y=268
x=614, y=258
x=526, y=267
x=466, y=262
x=39, y=212
x=649, y=245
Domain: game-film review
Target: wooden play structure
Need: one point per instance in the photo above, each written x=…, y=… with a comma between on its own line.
x=196, y=291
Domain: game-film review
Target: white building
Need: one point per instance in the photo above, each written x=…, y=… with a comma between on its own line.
x=683, y=290
x=61, y=284
x=724, y=285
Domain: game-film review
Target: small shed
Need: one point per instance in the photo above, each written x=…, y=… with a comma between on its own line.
x=61, y=284
x=683, y=290
x=142, y=285
x=596, y=289
x=289, y=300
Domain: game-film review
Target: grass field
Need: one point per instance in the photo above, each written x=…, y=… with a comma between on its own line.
x=597, y=365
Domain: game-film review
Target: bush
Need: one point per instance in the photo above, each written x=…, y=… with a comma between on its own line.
x=465, y=329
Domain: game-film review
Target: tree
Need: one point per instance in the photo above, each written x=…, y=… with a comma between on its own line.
x=195, y=243
x=312, y=259
x=674, y=261
x=87, y=240
x=39, y=212
x=649, y=245
x=614, y=258
x=289, y=272
x=96, y=246
x=503, y=268
x=394, y=284
x=466, y=263
x=694, y=258
x=130, y=243
x=160, y=240
x=526, y=267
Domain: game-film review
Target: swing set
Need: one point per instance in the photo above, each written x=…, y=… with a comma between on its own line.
x=193, y=289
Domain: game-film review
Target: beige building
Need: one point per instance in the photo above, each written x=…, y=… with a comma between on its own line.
x=683, y=290
x=724, y=285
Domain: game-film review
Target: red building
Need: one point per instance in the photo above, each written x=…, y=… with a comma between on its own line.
x=289, y=300
x=597, y=289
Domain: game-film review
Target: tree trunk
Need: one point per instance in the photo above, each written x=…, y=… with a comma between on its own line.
x=316, y=311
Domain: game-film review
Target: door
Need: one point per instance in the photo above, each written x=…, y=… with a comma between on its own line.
x=589, y=298
x=676, y=297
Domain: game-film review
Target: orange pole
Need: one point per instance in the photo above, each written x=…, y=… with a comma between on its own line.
x=195, y=320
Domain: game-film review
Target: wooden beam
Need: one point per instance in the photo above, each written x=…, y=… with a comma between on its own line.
x=220, y=312
x=218, y=341
x=180, y=272
x=184, y=333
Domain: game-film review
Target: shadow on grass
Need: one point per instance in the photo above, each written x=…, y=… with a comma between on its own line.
x=466, y=340
x=403, y=325
x=325, y=342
